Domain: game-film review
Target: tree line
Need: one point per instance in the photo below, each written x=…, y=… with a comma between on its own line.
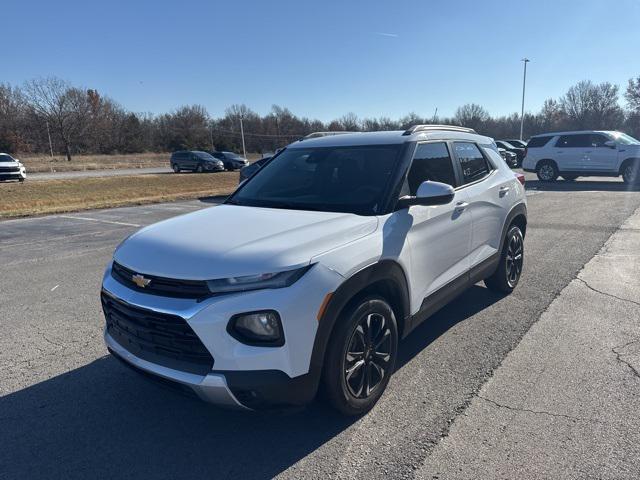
x=50, y=115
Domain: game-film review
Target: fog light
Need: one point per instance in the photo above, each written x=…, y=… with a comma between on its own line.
x=257, y=328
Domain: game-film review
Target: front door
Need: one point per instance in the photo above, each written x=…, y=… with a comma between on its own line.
x=602, y=158
x=439, y=236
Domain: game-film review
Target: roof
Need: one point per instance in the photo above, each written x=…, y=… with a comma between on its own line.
x=387, y=138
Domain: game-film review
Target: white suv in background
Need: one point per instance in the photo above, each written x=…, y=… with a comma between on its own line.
x=314, y=269
x=585, y=153
x=11, y=168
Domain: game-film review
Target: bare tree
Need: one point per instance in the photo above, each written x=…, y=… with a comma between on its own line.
x=349, y=122
x=587, y=105
x=632, y=95
x=64, y=107
x=471, y=115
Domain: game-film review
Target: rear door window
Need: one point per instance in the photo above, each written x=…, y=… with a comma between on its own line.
x=473, y=164
x=574, y=141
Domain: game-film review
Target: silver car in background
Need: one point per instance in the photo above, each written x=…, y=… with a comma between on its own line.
x=11, y=168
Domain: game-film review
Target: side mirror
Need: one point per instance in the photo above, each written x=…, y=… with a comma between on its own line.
x=610, y=144
x=429, y=194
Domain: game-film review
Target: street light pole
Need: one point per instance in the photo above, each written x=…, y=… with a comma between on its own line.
x=50, y=144
x=524, y=84
x=244, y=150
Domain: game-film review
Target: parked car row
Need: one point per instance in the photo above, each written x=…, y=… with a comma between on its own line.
x=11, y=168
x=201, y=161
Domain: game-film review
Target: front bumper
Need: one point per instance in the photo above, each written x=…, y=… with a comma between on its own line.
x=243, y=376
x=211, y=388
x=213, y=167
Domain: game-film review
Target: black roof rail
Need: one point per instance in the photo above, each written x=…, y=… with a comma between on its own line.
x=426, y=128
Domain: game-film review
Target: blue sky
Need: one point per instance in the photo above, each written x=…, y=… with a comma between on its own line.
x=322, y=59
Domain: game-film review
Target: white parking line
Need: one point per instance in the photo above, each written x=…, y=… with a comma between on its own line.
x=100, y=221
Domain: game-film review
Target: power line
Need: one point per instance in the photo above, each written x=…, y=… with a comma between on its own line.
x=230, y=132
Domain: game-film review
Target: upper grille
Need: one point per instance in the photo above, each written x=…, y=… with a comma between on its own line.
x=9, y=169
x=167, y=287
x=159, y=338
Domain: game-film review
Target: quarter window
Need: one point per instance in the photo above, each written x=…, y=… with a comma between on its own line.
x=474, y=165
x=431, y=161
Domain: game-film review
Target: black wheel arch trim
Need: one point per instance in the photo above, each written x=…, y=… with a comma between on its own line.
x=519, y=209
x=382, y=271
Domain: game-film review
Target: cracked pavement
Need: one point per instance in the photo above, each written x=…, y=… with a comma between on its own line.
x=564, y=402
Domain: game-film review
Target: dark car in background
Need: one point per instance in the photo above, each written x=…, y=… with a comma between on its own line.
x=249, y=170
x=509, y=147
x=195, y=161
x=516, y=143
x=231, y=161
x=509, y=157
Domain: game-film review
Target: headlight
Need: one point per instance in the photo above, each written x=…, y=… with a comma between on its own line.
x=257, y=282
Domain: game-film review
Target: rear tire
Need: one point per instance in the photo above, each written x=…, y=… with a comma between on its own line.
x=631, y=173
x=361, y=356
x=547, y=171
x=506, y=277
x=176, y=168
x=199, y=169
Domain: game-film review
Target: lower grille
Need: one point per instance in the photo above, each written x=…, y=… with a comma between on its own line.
x=163, y=339
x=9, y=169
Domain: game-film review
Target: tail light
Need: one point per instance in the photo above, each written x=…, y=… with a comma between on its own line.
x=520, y=178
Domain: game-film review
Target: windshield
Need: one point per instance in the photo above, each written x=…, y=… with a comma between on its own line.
x=204, y=156
x=507, y=144
x=6, y=158
x=334, y=179
x=231, y=155
x=517, y=143
x=624, y=139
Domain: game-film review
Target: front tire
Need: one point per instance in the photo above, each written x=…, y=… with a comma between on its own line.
x=547, y=171
x=507, y=275
x=361, y=356
x=176, y=168
x=631, y=173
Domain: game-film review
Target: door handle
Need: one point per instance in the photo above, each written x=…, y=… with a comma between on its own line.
x=503, y=191
x=461, y=206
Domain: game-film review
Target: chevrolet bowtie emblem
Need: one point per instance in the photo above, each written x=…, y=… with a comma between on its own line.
x=140, y=281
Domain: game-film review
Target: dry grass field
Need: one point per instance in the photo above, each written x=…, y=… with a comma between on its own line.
x=44, y=163
x=57, y=196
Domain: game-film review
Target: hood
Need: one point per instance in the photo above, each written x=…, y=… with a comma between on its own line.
x=230, y=240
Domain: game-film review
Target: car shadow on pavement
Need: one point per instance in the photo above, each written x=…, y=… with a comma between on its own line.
x=613, y=185
x=472, y=301
x=104, y=421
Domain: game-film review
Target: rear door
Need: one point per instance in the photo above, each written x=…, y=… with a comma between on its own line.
x=489, y=195
x=570, y=152
x=601, y=157
x=439, y=236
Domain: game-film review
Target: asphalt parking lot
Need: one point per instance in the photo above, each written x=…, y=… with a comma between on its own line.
x=68, y=410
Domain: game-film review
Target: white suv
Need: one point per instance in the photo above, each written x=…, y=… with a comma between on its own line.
x=310, y=273
x=585, y=153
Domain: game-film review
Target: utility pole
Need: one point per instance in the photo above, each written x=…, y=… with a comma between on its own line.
x=435, y=116
x=50, y=144
x=524, y=84
x=244, y=150
x=211, y=137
